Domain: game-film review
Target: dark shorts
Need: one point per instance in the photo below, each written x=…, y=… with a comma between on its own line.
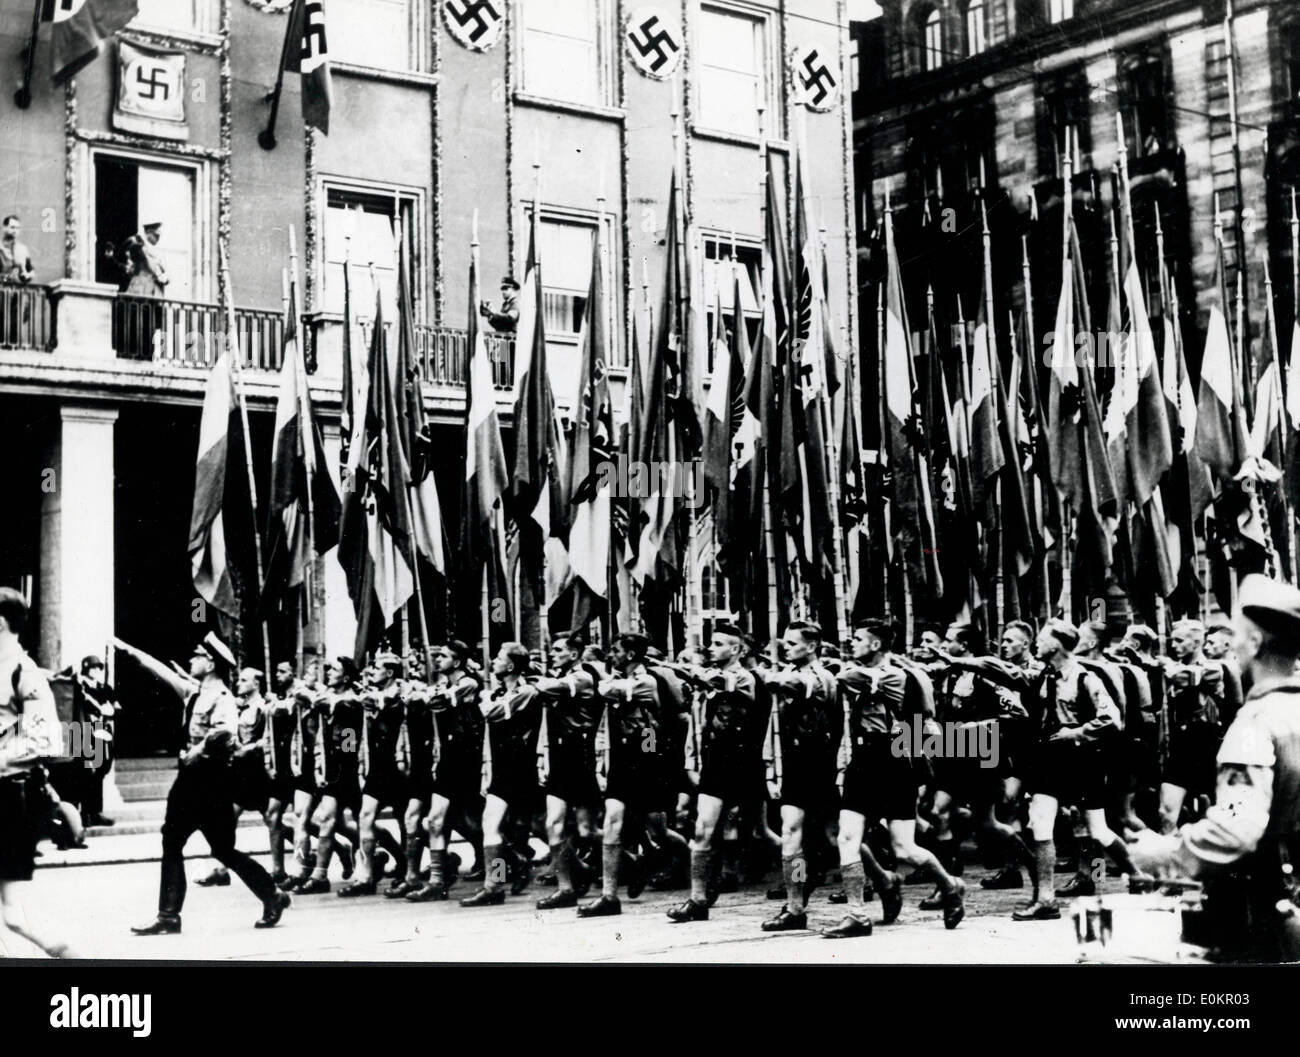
x=281, y=789
x=17, y=832
x=514, y=780
x=419, y=782
x=1193, y=758
x=636, y=778
x=460, y=774
x=1143, y=758
x=1070, y=773
x=572, y=776
x=386, y=786
x=726, y=772
x=879, y=783
x=808, y=778
x=306, y=782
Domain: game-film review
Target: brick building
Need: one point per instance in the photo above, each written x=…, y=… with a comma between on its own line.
x=952, y=94
x=100, y=391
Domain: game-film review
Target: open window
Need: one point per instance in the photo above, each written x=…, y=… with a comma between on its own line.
x=131, y=193
x=360, y=222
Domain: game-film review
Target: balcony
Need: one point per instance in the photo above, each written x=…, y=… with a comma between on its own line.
x=25, y=320
x=91, y=338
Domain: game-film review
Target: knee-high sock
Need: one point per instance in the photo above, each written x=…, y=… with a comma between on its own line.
x=414, y=844
x=1088, y=855
x=389, y=843
x=494, y=867
x=1045, y=874
x=437, y=860
x=794, y=869
x=562, y=861
x=324, y=850
x=610, y=854
x=855, y=879
x=701, y=862
x=365, y=870
x=276, y=835
x=301, y=848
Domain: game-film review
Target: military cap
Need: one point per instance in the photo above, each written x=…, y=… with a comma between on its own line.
x=509, y=280
x=1273, y=605
x=215, y=649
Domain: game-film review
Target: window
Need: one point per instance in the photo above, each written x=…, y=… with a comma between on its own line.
x=381, y=34
x=720, y=286
x=561, y=53
x=975, y=27
x=565, y=248
x=733, y=76
x=361, y=222
x=1059, y=10
x=1146, y=125
x=932, y=55
x=130, y=194
x=177, y=16
x=855, y=61
x=1065, y=120
x=1291, y=55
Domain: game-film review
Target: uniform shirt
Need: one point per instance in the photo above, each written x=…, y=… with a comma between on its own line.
x=1071, y=698
x=1112, y=678
x=1258, y=791
x=808, y=699
x=29, y=721
x=730, y=696
x=633, y=702
x=965, y=696
x=15, y=263
x=383, y=712
x=571, y=702
x=211, y=708
x=252, y=719
x=873, y=697
x=1194, y=691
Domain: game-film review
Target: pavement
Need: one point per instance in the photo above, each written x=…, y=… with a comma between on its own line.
x=94, y=896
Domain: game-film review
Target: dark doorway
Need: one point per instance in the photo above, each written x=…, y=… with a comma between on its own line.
x=116, y=215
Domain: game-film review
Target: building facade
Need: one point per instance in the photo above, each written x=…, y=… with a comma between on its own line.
x=442, y=111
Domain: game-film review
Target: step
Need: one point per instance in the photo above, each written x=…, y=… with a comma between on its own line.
x=146, y=763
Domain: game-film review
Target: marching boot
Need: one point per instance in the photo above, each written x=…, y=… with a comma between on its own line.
x=608, y=904
x=163, y=926
x=273, y=910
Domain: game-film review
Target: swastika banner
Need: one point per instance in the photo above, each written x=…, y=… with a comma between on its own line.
x=654, y=42
x=816, y=77
x=150, y=92
x=475, y=24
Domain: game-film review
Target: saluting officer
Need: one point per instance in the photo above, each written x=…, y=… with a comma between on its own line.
x=203, y=796
x=1251, y=834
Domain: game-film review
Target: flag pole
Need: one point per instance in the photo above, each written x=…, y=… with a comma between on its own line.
x=299, y=636
x=769, y=537
x=484, y=600
x=1030, y=363
x=1280, y=421
x=23, y=97
x=266, y=138
x=882, y=449
x=238, y=369
x=304, y=396
x=999, y=585
x=1066, y=601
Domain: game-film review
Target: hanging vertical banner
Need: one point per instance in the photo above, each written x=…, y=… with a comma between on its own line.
x=475, y=24
x=654, y=42
x=817, y=84
x=150, y=92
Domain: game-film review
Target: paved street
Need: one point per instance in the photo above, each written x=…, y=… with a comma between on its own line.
x=96, y=904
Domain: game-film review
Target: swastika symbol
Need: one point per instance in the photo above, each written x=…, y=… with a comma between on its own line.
x=817, y=80
x=156, y=86
x=477, y=18
x=656, y=44
x=63, y=10
x=314, y=45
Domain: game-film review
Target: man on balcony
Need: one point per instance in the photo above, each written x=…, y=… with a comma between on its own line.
x=147, y=275
x=16, y=268
x=507, y=319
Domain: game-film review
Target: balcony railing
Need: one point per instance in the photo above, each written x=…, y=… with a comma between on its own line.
x=194, y=335
x=157, y=330
x=441, y=353
x=25, y=317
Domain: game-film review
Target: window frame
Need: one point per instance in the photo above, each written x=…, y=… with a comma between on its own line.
x=769, y=79
x=1059, y=11
x=932, y=56
x=203, y=172
x=419, y=241
x=607, y=55
x=417, y=28
x=592, y=220
x=976, y=7
x=1066, y=88
x=205, y=22
x=749, y=252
